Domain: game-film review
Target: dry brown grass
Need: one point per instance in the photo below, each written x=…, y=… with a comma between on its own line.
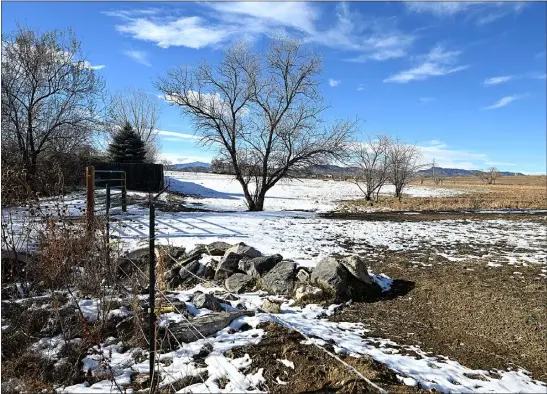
x=476, y=196
x=527, y=180
x=482, y=317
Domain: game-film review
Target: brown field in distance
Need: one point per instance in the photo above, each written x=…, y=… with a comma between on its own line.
x=509, y=192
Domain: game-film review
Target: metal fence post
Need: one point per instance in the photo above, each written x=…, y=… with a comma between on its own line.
x=108, y=224
x=124, y=193
x=90, y=194
x=152, y=290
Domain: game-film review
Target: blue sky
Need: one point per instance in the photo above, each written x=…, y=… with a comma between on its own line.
x=465, y=81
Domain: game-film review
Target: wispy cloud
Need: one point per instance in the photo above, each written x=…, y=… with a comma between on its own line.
x=505, y=101
x=436, y=63
x=481, y=13
x=139, y=56
x=498, y=80
x=174, y=134
x=540, y=55
x=446, y=157
x=217, y=23
x=427, y=99
x=334, y=82
x=361, y=87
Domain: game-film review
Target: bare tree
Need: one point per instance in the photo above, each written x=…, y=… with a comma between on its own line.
x=142, y=112
x=49, y=96
x=489, y=176
x=403, y=164
x=436, y=175
x=372, y=159
x=264, y=111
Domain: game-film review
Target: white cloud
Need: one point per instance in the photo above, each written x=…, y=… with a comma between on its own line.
x=174, y=134
x=334, y=82
x=437, y=62
x=176, y=158
x=505, y=101
x=427, y=99
x=139, y=56
x=451, y=158
x=220, y=22
x=498, y=80
x=440, y=8
x=481, y=13
x=190, y=32
x=540, y=76
x=540, y=55
x=361, y=87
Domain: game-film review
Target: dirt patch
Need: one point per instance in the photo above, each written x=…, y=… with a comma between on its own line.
x=314, y=371
x=483, y=317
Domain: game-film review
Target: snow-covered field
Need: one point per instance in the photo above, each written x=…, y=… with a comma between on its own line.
x=223, y=192
x=292, y=226
x=306, y=238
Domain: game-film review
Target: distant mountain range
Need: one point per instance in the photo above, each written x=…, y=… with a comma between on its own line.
x=338, y=170
x=460, y=172
x=194, y=164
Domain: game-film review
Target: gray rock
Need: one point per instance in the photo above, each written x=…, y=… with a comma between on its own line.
x=206, y=325
x=307, y=293
x=238, y=283
x=259, y=265
x=280, y=280
x=303, y=275
x=244, y=250
x=357, y=267
x=228, y=265
x=271, y=306
x=187, y=270
x=206, y=300
x=218, y=248
x=331, y=275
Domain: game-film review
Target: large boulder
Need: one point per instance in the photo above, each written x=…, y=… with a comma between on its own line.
x=259, y=265
x=217, y=248
x=333, y=277
x=280, y=280
x=207, y=325
x=357, y=267
x=206, y=300
x=244, y=250
x=238, y=283
x=188, y=269
x=228, y=265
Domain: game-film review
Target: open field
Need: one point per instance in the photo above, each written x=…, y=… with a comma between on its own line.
x=462, y=309
x=519, y=193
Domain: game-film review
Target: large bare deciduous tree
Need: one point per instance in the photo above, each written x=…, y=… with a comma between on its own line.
x=49, y=97
x=404, y=163
x=372, y=159
x=489, y=176
x=142, y=112
x=263, y=111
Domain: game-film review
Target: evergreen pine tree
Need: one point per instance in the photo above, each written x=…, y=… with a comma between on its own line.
x=127, y=146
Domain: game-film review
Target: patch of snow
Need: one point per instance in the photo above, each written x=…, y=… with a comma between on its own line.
x=381, y=280
x=285, y=362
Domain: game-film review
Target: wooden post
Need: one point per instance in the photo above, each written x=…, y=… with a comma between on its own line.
x=90, y=194
x=124, y=193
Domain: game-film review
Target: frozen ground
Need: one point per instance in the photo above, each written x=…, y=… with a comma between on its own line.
x=223, y=192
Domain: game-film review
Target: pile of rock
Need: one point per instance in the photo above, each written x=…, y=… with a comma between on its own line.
x=240, y=268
